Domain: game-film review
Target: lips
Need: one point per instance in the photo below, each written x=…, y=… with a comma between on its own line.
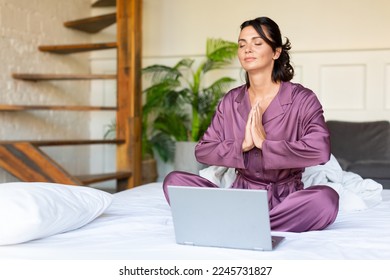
x=249, y=59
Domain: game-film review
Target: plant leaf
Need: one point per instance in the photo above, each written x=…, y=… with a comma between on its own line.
x=164, y=146
x=173, y=124
x=219, y=53
x=159, y=73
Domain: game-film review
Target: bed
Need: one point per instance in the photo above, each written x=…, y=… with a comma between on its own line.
x=136, y=224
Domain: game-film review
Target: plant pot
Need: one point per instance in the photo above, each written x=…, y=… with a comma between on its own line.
x=149, y=171
x=185, y=158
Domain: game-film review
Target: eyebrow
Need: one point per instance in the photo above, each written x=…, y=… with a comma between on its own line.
x=253, y=38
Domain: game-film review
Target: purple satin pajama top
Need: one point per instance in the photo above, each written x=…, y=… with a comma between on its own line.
x=296, y=137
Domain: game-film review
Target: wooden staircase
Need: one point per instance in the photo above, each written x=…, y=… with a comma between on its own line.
x=27, y=162
x=67, y=49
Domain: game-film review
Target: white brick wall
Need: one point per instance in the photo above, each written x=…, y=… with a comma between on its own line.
x=24, y=25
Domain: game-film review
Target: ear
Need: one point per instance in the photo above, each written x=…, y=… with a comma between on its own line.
x=277, y=53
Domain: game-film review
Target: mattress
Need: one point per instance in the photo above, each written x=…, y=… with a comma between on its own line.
x=138, y=226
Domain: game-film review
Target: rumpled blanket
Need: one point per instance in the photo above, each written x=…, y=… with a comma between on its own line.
x=355, y=192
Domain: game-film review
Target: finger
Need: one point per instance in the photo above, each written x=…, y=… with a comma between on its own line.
x=258, y=115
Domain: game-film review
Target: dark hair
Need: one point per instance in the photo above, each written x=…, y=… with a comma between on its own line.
x=282, y=71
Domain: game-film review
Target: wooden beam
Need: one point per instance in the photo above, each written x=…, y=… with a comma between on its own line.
x=65, y=142
x=6, y=107
x=76, y=48
x=92, y=24
x=52, y=77
x=95, y=178
x=29, y=164
x=129, y=48
x=104, y=3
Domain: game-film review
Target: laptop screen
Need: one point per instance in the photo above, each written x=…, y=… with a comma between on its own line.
x=219, y=217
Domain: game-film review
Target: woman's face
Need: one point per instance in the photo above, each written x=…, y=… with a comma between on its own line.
x=253, y=52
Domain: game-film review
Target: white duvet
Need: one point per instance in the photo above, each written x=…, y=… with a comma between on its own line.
x=355, y=192
x=138, y=226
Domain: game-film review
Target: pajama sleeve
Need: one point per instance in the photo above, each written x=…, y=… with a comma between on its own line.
x=312, y=146
x=221, y=144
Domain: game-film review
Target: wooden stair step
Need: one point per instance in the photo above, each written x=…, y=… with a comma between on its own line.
x=6, y=107
x=64, y=142
x=48, y=77
x=92, y=24
x=29, y=164
x=104, y=3
x=76, y=48
x=95, y=178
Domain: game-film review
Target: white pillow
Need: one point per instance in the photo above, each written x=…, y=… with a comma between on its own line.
x=34, y=210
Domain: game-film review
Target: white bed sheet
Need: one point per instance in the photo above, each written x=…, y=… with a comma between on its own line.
x=138, y=225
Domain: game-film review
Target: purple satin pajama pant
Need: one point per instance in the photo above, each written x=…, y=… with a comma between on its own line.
x=292, y=210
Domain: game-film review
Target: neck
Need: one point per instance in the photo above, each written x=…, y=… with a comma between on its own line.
x=262, y=86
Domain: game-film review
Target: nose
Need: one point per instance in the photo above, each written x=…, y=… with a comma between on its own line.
x=248, y=49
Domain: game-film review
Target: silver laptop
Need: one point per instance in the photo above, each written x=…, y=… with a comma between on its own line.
x=219, y=217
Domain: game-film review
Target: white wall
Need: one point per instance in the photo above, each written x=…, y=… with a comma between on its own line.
x=352, y=85
x=180, y=27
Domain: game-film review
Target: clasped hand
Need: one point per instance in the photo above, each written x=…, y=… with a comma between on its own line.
x=254, y=130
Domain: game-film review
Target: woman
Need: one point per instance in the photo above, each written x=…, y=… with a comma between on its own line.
x=269, y=130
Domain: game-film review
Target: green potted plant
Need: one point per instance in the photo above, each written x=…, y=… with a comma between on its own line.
x=178, y=104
